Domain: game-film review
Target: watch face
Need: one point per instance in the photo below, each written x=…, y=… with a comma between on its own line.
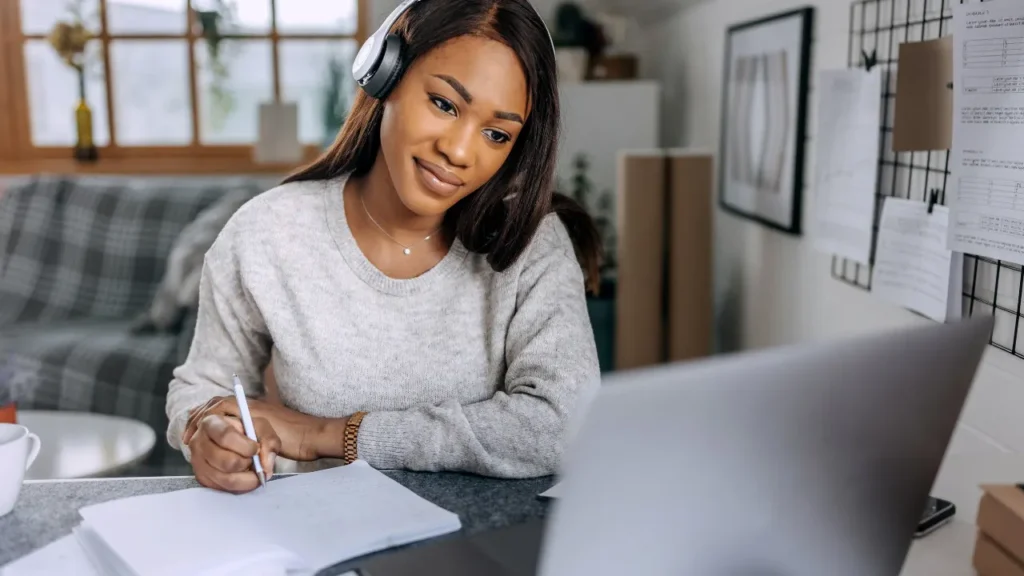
x=361, y=56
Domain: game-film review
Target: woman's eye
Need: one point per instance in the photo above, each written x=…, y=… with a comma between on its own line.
x=443, y=105
x=497, y=137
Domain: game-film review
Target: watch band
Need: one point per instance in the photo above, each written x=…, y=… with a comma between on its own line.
x=350, y=446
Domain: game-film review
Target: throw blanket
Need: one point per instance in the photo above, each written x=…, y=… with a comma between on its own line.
x=178, y=292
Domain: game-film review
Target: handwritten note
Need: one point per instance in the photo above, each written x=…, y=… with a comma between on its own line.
x=913, y=267
x=849, y=103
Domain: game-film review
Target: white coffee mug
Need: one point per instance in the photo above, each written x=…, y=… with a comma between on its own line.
x=18, y=449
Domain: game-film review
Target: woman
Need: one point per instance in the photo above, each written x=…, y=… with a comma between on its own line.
x=418, y=288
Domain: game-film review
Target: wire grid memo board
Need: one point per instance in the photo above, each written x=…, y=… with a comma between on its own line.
x=878, y=27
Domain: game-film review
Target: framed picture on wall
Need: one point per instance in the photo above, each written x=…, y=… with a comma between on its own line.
x=764, y=117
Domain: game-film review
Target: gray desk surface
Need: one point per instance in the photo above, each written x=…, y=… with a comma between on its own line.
x=47, y=511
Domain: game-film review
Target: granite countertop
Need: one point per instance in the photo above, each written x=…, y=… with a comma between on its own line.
x=48, y=510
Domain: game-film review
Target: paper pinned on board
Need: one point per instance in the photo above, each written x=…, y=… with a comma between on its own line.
x=924, y=102
x=913, y=267
x=986, y=161
x=849, y=104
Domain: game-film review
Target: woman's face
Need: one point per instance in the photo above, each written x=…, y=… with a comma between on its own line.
x=451, y=122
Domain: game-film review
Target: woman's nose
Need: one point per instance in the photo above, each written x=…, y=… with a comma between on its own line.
x=456, y=145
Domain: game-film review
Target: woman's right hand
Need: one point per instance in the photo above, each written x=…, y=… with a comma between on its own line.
x=222, y=453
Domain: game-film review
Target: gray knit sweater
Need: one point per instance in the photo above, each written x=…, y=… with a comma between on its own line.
x=461, y=368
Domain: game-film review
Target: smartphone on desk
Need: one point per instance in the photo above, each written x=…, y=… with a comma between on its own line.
x=936, y=513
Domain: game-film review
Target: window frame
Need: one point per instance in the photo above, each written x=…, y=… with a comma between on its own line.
x=18, y=155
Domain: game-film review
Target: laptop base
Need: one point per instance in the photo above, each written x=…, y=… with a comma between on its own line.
x=511, y=551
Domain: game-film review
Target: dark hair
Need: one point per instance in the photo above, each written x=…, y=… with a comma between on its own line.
x=500, y=218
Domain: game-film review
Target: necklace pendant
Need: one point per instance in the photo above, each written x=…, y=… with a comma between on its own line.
x=407, y=251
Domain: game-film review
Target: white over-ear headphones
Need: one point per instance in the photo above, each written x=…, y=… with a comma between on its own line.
x=379, y=63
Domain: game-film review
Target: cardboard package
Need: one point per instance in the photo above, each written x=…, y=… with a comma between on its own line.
x=690, y=274
x=999, y=549
x=664, y=296
x=924, y=100
x=640, y=215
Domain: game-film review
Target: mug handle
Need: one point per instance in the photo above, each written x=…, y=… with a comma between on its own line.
x=33, y=451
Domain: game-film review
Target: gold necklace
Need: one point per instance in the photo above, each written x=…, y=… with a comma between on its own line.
x=407, y=250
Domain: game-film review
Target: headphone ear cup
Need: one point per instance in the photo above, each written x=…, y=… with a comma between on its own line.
x=389, y=70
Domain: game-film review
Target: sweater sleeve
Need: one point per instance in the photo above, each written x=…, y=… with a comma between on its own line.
x=552, y=368
x=230, y=337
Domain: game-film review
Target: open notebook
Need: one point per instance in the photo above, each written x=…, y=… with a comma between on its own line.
x=296, y=525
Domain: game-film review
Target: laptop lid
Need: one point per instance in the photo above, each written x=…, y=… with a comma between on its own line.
x=797, y=461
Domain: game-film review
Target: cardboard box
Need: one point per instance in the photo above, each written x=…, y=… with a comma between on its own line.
x=639, y=295
x=924, y=101
x=664, y=296
x=991, y=560
x=690, y=298
x=999, y=550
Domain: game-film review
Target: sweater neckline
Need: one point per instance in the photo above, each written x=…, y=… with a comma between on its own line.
x=337, y=221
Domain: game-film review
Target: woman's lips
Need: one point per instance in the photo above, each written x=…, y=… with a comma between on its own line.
x=436, y=179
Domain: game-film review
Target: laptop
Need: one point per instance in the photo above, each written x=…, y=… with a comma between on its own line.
x=796, y=461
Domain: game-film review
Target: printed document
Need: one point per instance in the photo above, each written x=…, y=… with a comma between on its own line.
x=913, y=267
x=987, y=159
x=849, y=104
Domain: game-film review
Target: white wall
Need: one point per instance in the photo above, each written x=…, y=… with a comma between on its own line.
x=546, y=8
x=773, y=289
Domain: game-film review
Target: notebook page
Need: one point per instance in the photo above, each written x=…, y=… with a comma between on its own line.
x=361, y=511
x=103, y=559
x=322, y=518
x=553, y=492
x=63, y=556
x=184, y=532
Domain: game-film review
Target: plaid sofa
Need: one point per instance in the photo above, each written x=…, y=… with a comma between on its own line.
x=80, y=258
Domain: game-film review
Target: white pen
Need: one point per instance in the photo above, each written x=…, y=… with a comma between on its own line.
x=250, y=431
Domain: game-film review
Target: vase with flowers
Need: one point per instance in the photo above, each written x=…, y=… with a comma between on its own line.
x=212, y=19
x=578, y=39
x=69, y=38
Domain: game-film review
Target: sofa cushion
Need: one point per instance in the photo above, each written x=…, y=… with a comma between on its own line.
x=178, y=292
x=93, y=247
x=101, y=368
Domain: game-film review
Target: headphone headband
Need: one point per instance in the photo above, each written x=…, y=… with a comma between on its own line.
x=376, y=68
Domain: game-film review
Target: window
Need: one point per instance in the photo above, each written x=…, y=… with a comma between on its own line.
x=167, y=93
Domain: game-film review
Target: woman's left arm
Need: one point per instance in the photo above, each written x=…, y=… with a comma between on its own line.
x=552, y=370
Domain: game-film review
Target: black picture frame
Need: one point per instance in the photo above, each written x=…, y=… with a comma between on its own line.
x=737, y=178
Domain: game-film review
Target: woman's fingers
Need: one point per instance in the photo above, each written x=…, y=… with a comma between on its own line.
x=270, y=444
x=228, y=434
x=208, y=461
x=219, y=458
x=196, y=415
x=222, y=453
x=234, y=482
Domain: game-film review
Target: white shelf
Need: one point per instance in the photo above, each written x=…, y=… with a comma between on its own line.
x=601, y=118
